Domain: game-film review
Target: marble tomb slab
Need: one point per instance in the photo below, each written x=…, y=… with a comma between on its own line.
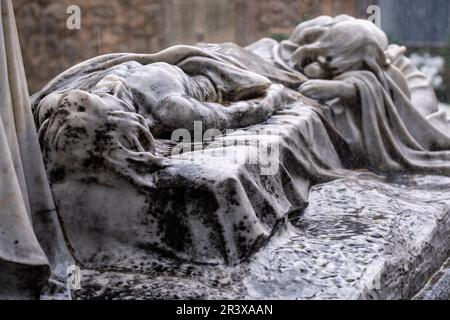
x=360, y=238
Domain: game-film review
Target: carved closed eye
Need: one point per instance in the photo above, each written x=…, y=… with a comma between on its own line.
x=310, y=35
x=307, y=40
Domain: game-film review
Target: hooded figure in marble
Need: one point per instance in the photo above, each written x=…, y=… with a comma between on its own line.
x=383, y=107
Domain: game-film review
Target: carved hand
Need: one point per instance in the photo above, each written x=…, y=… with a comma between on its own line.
x=326, y=90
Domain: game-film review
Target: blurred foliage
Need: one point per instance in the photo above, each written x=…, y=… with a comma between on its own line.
x=443, y=92
x=279, y=36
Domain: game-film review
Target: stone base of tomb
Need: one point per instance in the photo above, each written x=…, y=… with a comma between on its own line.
x=360, y=238
x=438, y=288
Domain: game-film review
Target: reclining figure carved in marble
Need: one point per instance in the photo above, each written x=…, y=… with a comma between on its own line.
x=337, y=95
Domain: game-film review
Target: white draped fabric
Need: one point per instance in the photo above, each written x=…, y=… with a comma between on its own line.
x=30, y=239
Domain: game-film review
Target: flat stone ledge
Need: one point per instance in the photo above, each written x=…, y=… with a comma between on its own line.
x=438, y=288
x=360, y=238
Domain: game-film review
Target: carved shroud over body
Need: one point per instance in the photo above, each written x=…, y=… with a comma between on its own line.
x=121, y=208
x=220, y=210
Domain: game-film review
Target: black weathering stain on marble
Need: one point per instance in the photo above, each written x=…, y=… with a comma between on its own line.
x=168, y=208
x=57, y=174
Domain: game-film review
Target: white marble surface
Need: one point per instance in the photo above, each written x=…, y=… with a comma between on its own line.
x=360, y=238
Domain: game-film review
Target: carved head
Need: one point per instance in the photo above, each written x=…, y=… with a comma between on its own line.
x=326, y=47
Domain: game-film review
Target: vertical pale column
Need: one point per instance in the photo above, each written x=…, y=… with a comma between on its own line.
x=28, y=222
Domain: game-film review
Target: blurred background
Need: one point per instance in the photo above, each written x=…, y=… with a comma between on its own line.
x=49, y=47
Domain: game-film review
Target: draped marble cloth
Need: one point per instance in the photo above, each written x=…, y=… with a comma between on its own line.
x=119, y=206
x=204, y=206
x=31, y=242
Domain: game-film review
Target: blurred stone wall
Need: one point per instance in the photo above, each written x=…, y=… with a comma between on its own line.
x=49, y=47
